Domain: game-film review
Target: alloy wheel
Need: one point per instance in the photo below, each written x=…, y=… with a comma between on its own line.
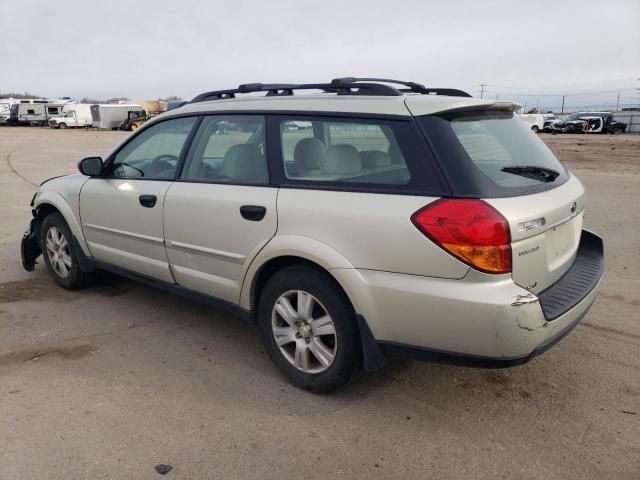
x=304, y=331
x=58, y=252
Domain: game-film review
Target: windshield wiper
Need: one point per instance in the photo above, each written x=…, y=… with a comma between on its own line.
x=531, y=171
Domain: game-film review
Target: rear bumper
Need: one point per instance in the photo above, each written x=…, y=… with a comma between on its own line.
x=481, y=320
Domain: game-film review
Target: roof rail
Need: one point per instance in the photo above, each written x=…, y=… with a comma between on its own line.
x=341, y=86
x=412, y=87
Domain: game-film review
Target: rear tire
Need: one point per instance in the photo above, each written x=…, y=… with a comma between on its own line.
x=60, y=255
x=535, y=129
x=318, y=347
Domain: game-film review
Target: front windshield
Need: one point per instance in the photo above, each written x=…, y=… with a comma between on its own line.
x=69, y=113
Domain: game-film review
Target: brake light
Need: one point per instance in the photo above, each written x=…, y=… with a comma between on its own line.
x=470, y=230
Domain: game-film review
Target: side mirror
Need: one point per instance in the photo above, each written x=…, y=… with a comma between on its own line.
x=90, y=166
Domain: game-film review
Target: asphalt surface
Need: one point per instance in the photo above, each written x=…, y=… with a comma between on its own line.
x=111, y=381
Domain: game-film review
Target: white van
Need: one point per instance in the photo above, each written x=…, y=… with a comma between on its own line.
x=535, y=121
x=73, y=115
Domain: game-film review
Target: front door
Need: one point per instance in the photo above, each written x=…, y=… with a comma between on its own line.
x=221, y=211
x=122, y=211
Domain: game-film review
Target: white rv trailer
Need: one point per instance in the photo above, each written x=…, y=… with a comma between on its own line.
x=110, y=116
x=7, y=109
x=73, y=115
x=38, y=111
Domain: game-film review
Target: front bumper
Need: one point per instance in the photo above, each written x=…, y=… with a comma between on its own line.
x=29, y=249
x=479, y=320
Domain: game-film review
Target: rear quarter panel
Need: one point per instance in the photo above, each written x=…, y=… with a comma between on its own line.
x=370, y=230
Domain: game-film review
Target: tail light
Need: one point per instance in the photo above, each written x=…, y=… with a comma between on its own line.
x=470, y=230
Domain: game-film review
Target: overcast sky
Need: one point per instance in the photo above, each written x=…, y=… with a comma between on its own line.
x=149, y=49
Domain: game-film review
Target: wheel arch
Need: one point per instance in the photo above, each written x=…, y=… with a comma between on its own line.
x=282, y=252
x=339, y=270
x=51, y=202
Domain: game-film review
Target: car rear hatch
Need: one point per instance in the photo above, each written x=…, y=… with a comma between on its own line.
x=488, y=153
x=545, y=233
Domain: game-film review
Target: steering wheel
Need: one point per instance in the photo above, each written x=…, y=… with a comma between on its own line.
x=161, y=166
x=130, y=166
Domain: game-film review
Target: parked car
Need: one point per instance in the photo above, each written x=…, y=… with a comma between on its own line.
x=347, y=239
x=589, y=122
x=173, y=104
x=73, y=115
x=549, y=120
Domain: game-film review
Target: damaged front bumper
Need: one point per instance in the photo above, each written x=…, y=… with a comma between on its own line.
x=30, y=248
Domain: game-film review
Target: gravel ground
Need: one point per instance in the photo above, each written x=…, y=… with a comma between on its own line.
x=114, y=380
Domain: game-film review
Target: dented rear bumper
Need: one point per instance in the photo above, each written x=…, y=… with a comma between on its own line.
x=476, y=321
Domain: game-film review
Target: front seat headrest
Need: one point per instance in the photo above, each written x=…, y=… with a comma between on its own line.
x=308, y=154
x=244, y=163
x=375, y=159
x=342, y=159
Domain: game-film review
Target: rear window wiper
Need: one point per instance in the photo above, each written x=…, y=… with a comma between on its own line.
x=532, y=171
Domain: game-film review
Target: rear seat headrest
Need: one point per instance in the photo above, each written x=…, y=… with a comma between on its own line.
x=395, y=154
x=245, y=163
x=374, y=159
x=308, y=154
x=342, y=159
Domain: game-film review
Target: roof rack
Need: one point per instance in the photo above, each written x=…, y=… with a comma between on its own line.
x=340, y=86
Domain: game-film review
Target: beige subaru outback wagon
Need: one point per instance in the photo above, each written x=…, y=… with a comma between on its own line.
x=362, y=220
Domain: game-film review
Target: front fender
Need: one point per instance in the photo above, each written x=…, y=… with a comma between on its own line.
x=291, y=246
x=59, y=203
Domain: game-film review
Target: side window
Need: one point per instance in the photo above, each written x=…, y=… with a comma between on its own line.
x=362, y=136
x=343, y=151
x=154, y=153
x=292, y=132
x=228, y=149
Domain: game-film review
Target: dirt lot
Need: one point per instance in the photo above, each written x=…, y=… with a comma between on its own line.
x=111, y=381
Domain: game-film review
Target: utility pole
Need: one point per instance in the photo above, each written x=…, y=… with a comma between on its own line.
x=618, y=102
x=562, y=109
x=482, y=85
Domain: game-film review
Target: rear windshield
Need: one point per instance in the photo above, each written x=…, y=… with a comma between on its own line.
x=492, y=154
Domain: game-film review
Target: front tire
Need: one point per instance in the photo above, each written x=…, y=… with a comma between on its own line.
x=60, y=255
x=62, y=125
x=309, y=330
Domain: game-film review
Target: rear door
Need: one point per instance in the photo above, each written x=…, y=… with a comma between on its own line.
x=221, y=211
x=353, y=184
x=121, y=212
